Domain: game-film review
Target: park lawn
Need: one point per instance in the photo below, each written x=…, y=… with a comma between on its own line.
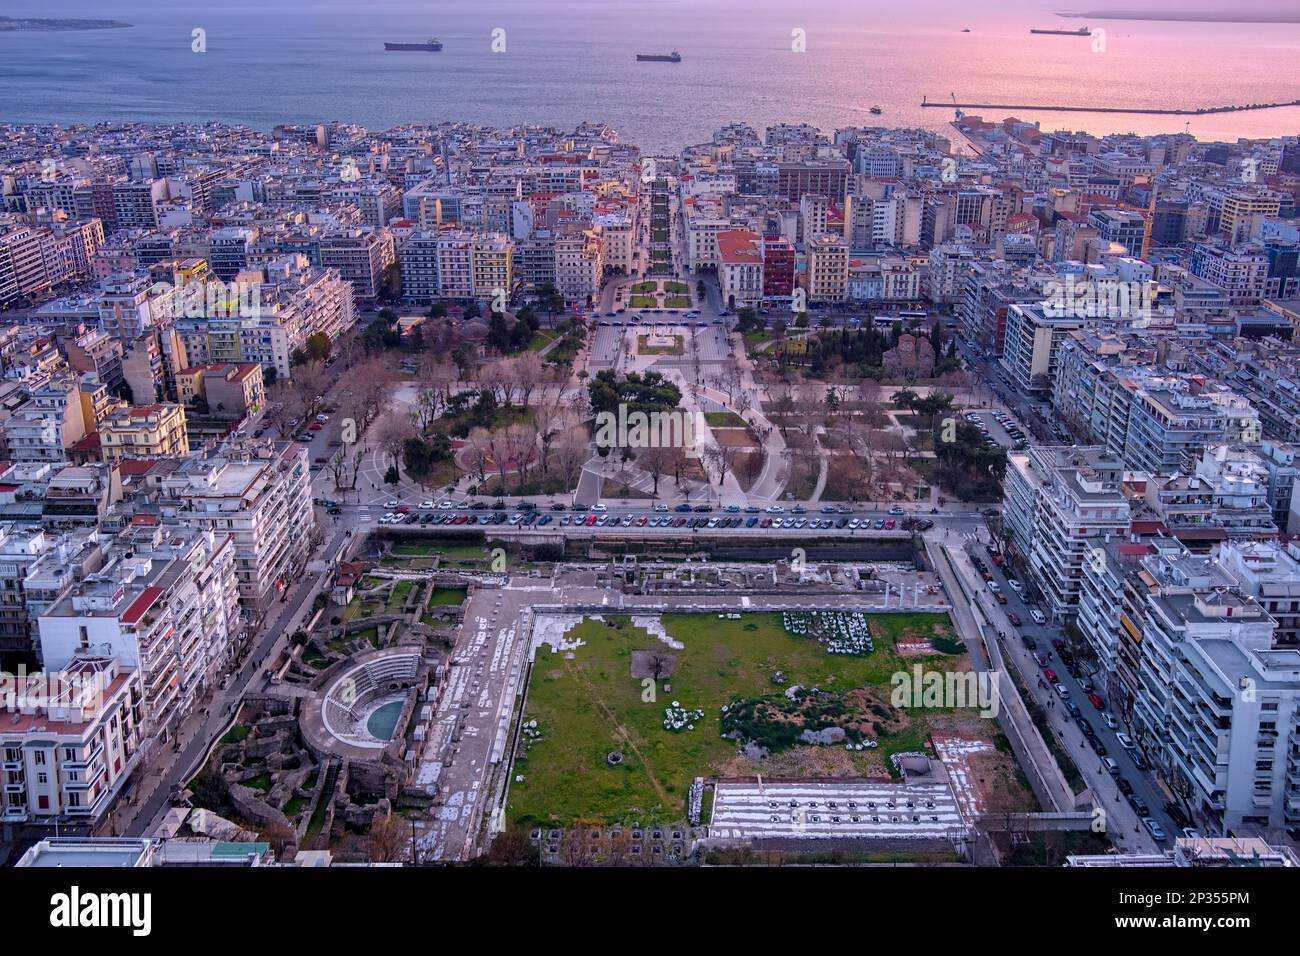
x=643, y=302
x=643, y=348
x=677, y=288
x=540, y=340
x=645, y=288
x=677, y=302
x=724, y=420
x=591, y=705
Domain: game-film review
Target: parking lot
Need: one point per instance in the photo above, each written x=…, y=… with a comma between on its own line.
x=842, y=519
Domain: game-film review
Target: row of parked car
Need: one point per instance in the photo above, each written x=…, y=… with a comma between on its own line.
x=1143, y=809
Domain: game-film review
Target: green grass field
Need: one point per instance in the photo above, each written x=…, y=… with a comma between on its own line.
x=677, y=302
x=643, y=302
x=645, y=288
x=591, y=705
x=444, y=596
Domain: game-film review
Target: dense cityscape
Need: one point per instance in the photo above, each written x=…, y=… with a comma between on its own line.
x=451, y=494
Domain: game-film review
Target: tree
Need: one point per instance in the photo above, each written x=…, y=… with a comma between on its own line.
x=318, y=347
x=478, y=453
x=655, y=461
x=394, y=430
x=387, y=842
x=571, y=451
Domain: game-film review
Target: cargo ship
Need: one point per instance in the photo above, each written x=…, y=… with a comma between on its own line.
x=673, y=57
x=1081, y=32
x=432, y=45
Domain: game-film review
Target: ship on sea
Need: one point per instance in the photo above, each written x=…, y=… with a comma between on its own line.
x=673, y=57
x=875, y=110
x=432, y=45
x=1081, y=32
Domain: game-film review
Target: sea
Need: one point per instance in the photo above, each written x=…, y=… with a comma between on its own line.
x=559, y=62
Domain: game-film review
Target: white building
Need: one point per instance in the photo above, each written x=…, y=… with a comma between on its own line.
x=260, y=493
x=164, y=604
x=1061, y=503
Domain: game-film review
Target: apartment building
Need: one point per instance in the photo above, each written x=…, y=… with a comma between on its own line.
x=492, y=262
x=1122, y=226
x=144, y=431
x=231, y=391
x=1199, y=685
x=740, y=268
x=361, y=256
x=1167, y=429
x=164, y=604
x=48, y=424
x=1240, y=271
x=1031, y=345
x=1060, y=502
x=1269, y=572
x=1238, y=484
x=65, y=759
x=24, y=255
x=579, y=265
x=828, y=269
x=418, y=256
x=824, y=177
x=778, y=269
x=260, y=493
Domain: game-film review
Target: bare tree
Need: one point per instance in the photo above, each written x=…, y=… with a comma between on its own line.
x=386, y=841
x=571, y=451
x=521, y=443
x=655, y=461
x=394, y=430
x=478, y=453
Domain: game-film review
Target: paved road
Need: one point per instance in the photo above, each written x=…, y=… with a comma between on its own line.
x=1068, y=729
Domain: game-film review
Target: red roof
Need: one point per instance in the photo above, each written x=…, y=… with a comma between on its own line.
x=148, y=597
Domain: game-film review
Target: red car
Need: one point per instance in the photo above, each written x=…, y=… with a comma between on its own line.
x=1050, y=675
x=889, y=525
x=1014, y=618
x=998, y=560
x=1058, y=644
x=1096, y=701
x=403, y=509
x=315, y=426
x=591, y=520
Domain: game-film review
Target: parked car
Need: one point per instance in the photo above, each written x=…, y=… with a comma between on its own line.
x=1155, y=829
x=1014, y=618
x=1037, y=615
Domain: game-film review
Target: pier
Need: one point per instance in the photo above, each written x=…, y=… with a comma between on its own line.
x=1026, y=107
